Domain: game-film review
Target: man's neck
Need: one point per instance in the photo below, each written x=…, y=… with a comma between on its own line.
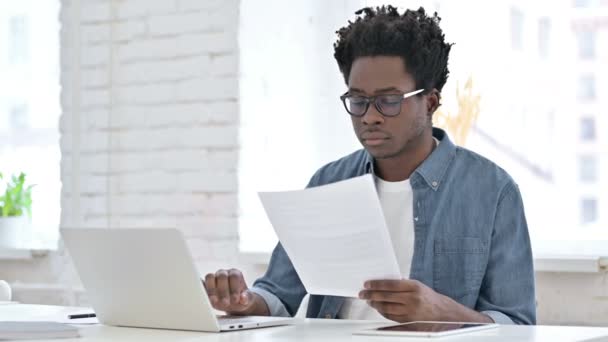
x=401, y=167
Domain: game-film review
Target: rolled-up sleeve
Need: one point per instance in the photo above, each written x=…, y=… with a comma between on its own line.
x=507, y=292
x=275, y=306
x=498, y=317
x=280, y=287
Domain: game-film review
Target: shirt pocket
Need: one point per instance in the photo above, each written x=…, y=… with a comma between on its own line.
x=459, y=266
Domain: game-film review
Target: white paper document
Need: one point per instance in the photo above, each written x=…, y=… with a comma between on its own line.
x=335, y=235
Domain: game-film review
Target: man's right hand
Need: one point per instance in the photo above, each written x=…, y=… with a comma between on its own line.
x=228, y=292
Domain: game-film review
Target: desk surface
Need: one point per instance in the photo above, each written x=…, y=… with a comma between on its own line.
x=306, y=330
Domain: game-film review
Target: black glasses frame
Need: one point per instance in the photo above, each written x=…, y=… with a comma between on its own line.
x=372, y=99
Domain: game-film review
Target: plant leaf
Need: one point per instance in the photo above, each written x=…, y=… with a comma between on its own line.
x=17, y=197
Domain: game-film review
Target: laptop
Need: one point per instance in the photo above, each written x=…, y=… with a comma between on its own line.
x=146, y=278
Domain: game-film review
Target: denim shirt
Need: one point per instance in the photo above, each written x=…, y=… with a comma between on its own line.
x=471, y=239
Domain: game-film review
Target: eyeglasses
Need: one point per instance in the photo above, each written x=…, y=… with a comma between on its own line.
x=386, y=104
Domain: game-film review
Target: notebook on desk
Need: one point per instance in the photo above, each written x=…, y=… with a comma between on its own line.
x=36, y=330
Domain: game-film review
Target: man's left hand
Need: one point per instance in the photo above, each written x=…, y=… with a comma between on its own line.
x=409, y=300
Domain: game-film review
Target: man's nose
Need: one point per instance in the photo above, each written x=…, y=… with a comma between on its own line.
x=372, y=116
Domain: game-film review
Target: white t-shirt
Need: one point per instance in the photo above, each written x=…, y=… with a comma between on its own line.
x=397, y=201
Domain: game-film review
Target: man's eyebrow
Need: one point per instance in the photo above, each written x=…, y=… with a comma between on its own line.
x=377, y=91
x=387, y=89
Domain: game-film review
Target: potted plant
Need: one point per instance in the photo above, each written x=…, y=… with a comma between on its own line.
x=15, y=211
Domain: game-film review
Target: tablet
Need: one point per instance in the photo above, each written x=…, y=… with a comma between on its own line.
x=428, y=329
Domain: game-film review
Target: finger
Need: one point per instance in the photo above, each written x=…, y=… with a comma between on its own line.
x=384, y=296
x=398, y=318
x=210, y=288
x=222, y=287
x=401, y=285
x=246, y=298
x=386, y=308
x=237, y=285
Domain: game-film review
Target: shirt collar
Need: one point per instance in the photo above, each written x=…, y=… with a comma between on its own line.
x=434, y=167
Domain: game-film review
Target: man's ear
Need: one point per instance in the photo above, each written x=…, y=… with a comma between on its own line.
x=432, y=101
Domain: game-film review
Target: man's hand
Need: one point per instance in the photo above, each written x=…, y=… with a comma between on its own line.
x=410, y=300
x=228, y=292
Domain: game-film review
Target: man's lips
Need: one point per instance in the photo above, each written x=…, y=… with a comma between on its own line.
x=373, y=135
x=373, y=138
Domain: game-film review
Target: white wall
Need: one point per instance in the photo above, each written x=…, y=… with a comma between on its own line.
x=157, y=106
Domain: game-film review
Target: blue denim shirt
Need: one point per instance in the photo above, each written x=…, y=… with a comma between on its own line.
x=471, y=238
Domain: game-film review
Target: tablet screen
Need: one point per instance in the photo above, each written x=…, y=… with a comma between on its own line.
x=430, y=326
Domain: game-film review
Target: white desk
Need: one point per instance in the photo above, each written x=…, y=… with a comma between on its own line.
x=307, y=330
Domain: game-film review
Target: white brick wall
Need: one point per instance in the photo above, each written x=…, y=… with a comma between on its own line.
x=159, y=115
x=158, y=129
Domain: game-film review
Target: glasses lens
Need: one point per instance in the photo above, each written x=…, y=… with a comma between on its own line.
x=356, y=105
x=389, y=105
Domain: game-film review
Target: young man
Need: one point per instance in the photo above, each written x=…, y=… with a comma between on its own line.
x=456, y=220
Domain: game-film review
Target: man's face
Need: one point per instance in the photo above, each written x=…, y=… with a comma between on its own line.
x=387, y=137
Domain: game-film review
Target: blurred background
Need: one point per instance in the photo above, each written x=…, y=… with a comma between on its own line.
x=174, y=113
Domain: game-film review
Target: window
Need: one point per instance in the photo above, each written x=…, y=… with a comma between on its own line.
x=587, y=132
x=588, y=210
x=304, y=124
x=18, y=117
x=544, y=36
x=18, y=39
x=586, y=43
x=584, y=3
x=517, y=29
x=521, y=126
x=586, y=87
x=30, y=108
x=588, y=169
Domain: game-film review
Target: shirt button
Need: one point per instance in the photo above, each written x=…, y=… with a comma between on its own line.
x=434, y=184
x=327, y=316
x=416, y=218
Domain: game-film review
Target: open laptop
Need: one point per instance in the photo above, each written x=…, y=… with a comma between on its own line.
x=146, y=278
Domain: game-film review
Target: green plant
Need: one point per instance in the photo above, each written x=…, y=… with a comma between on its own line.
x=17, y=198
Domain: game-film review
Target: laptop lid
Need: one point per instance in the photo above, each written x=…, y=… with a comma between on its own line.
x=140, y=278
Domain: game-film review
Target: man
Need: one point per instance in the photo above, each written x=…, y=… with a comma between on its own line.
x=456, y=220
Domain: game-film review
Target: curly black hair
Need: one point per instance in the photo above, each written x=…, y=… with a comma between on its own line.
x=382, y=31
